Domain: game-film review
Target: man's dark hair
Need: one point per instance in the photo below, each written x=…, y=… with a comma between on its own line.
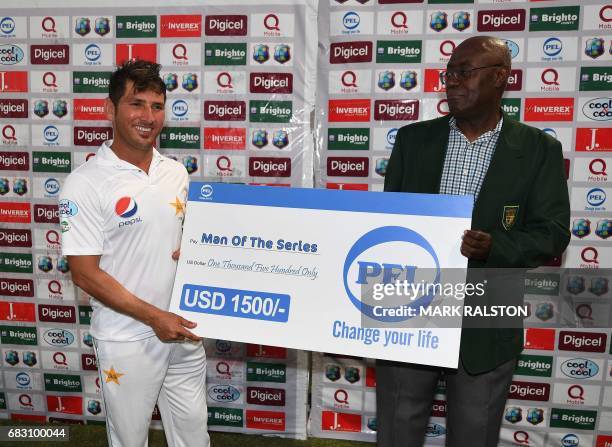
x=144, y=75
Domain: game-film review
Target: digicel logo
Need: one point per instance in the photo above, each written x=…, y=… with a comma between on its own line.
x=56, y=314
x=540, y=339
x=504, y=20
x=348, y=186
x=224, y=138
x=348, y=166
x=13, y=108
x=10, y=311
x=515, y=81
x=15, y=212
x=529, y=391
x=92, y=136
x=266, y=396
x=181, y=25
x=592, y=139
x=350, y=52
x=271, y=83
x=549, y=109
x=265, y=420
x=89, y=109
x=396, y=110
x=65, y=404
x=10, y=237
x=131, y=51
x=49, y=54
x=17, y=287
x=89, y=362
x=269, y=167
x=224, y=110
x=346, y=422
x=438, y=409
x=342, y=110
x=225, y=25
x=46, y=214
x=13, y=81
x=582, y=341
x=14, y=161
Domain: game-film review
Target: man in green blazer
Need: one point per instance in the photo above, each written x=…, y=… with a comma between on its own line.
x=520, y=220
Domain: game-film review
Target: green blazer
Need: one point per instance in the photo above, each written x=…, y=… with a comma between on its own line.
x=526, y=178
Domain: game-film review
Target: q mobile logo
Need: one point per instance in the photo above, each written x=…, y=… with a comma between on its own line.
x=13, y=81
x=49, y=54
x=180, y=25
x=269, y=167
x=540, y=339
x=15, y=212
x=396, y=110
x=271, y=83
x=348, y=166
x=14, y=161
x=89, y=109
x=131, y=51
x=267, y=352
x=504, y=20
x=224, y=138
x=515, y=81
x=224, y=110
x=549, y=109
x=350, y=52
x=126, y=207
x=592, y=139
x=265, y=396
x=56, y=314
x=12, y=237
x=92, y=136
x=539, y=392
x=46, y=214
x=349, y=110
x=23, y=312
x=340, y=422
x=265, y=420
x=582, y=341
x=225, y=25
x=17, y=287
x=13, y=108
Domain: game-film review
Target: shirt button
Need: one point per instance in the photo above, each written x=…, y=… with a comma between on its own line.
x=465, y=172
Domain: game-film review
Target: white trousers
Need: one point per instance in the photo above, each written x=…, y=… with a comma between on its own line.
x=136, y=374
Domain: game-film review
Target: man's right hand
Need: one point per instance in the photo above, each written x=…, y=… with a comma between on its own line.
x=172, y=327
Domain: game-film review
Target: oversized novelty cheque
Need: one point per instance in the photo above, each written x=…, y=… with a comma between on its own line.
x=298, y=268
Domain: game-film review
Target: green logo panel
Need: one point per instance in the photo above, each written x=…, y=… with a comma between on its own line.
x=226, y=417
x=16, y=263
x=179, y=138
x=85, y=314
x=18, y=335
x=398, y=51
x=266, y=372
x=136, y=26
x=512, y=107
x=577, y=419
x=534, y=365
x=357, y=139
x=51, y=162
x=595, y=79
x=563, y=18
x=542, y=284
x=63, y=382
x=90, y=81
x=225, y=53
x=270, y=111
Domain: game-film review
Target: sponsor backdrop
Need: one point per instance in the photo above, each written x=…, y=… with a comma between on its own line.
x=379, y=66
x=240, y=80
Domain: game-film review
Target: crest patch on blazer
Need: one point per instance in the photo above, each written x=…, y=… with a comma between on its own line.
x=509, y=217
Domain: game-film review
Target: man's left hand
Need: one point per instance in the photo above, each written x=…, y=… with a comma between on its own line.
x=476, y=244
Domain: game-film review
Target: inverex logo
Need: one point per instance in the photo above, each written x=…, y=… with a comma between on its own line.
x=348, y=166
x=349, y=110
x=362, y=269
x=501, y=20
x=180, y=25
x=350, y=52
x=529, y=391
x=269, y=167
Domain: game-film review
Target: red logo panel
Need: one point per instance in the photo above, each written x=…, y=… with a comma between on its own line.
x=180, y=25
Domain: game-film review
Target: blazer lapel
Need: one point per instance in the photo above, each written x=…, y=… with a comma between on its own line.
x=506, y=160
x=431, y=158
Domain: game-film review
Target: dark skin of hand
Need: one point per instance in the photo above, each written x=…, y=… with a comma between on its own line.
x=476, y=244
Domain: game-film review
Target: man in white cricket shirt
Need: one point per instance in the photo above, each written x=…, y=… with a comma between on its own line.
x=121, y=216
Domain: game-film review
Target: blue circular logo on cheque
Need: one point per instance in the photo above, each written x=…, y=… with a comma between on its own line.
x=383, y=235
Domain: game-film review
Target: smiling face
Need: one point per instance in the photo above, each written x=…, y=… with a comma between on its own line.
x=137, y=119
x=478, y=95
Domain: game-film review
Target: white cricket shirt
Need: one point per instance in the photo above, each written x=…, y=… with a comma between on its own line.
x=111, y=208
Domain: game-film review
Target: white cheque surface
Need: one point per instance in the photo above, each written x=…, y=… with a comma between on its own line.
x=287, y=266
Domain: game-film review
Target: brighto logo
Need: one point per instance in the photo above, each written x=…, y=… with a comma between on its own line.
x=372, y=261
